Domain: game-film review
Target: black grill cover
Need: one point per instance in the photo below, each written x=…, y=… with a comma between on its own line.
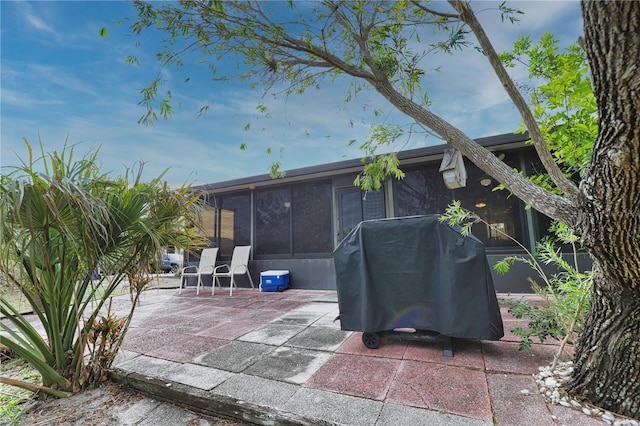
x=415, y=272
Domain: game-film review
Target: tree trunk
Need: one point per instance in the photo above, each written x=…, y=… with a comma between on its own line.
x=607, y=360
x=607, y=366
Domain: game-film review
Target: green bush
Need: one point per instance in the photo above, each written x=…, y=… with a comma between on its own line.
x=61, y=219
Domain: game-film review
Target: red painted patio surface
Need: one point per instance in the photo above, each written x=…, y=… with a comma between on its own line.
x=356, y=375
x=442, y=387
x=482, y=381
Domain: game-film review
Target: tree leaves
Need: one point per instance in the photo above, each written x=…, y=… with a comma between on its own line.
x=561, y=97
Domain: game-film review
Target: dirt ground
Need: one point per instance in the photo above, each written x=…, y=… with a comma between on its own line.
x=111, y=405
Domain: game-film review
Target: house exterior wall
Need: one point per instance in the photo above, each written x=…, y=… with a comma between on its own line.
x=295, y=223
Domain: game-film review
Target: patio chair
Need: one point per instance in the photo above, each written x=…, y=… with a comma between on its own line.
x=206, y=266
x=239, y=266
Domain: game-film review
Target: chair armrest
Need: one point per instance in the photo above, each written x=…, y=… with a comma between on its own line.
x=195, y=268
x=207, y=269
x=215, y=270
x=244, y=267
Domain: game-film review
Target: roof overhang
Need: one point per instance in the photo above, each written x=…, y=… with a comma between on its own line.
x=507, y=141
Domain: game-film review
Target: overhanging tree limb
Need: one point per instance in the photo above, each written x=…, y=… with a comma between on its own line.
x=552, y=205
x=468, y=16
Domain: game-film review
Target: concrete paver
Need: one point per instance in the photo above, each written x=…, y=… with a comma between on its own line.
x=291, y=365
x=402, y=415
x=335, y=408
x=512, y=407
x=235, y=356
x=356, y=375
x=272, y=334
x=442, y=387
x=198, y=376
x=138, y=412
x=320, y=338
x=257, y=390
x=149, y=366
x=167, y=415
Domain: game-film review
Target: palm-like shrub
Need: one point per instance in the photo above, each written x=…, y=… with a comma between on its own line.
x=58, y=227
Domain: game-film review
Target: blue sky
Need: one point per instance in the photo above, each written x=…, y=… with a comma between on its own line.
x=60, y=81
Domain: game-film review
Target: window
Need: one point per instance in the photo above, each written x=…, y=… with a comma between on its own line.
x=354, y=206
x=373, y=205
x=503, y=211
x=311, y=209
x=422, y=191
x=542, y=223
x=234, y=221
x=207, y=224
x=294, y=220
x=273, y=221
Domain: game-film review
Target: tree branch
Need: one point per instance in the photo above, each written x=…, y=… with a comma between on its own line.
x=468, y=16
x=552, y=205
x=419, y=5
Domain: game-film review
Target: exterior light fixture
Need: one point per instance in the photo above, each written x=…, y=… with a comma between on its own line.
x=481, y=204
x=485, y=180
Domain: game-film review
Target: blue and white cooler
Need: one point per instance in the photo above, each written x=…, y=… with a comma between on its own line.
x=275, y=280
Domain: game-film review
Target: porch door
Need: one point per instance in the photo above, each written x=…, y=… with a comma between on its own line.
x=354, y=207
x=349, y=211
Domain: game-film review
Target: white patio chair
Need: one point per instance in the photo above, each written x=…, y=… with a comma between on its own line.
x=206, y=266
x=239, y=266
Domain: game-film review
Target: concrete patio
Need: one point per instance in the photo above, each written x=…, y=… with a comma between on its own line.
x=279, y=358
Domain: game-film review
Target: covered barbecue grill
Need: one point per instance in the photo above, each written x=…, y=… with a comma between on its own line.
x=417, y=274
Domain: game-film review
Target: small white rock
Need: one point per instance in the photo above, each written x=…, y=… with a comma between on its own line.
x=525, y=391
x=550, y=382
x=565, y=403
x=576, y=403
x=586, y=411
x=608, y=416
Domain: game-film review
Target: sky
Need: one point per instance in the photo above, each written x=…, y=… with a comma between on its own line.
x=62, y=83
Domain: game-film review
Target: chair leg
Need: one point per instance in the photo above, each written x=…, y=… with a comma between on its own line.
x=250, y=279
x=231, y=283
x=198, y=284
x=213, y=284
x=181, y=280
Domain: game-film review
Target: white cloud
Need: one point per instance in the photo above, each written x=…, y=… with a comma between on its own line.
x=35, y=20
x=24, y=100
